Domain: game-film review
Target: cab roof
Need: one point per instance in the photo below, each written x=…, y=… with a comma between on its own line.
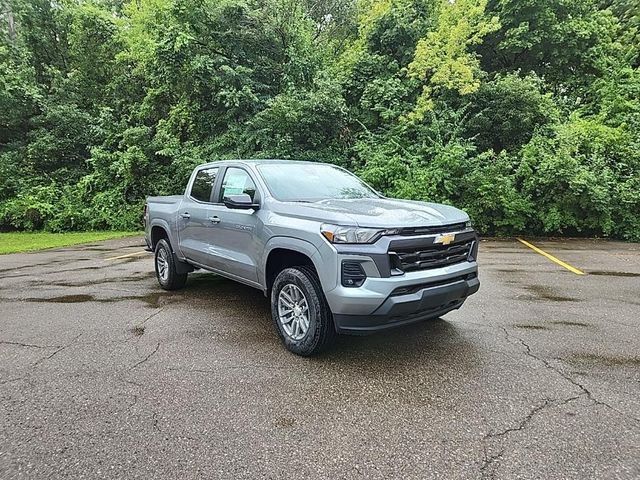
x=259, y=161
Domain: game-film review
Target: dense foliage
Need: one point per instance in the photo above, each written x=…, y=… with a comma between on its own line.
x=524, y=112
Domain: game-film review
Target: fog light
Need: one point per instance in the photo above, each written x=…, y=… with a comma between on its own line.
x=352, y=274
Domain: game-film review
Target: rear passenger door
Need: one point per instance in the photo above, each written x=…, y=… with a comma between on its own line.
x=194, y=223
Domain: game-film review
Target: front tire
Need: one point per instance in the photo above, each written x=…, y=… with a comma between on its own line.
x=165, y=264
x=300, y=311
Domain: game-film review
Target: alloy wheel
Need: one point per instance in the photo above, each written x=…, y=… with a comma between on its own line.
x=293, y=311
x=163, y=264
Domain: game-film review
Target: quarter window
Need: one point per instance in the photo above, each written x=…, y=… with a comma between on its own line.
x=237, y=181
x=203, y=184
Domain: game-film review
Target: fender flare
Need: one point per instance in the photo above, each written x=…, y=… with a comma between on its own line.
x=159, y=222
x=290, y=243
x=181, y=265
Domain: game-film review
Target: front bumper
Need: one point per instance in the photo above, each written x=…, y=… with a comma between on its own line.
x=378, y=305
x=430, y=300
x=408, y=277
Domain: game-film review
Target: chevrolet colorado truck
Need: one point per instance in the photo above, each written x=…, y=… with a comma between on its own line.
x=332, y=254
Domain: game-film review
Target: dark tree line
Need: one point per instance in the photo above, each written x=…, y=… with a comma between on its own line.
x=524, y=112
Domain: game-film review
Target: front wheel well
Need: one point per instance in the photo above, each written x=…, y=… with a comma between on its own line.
x=281, y=258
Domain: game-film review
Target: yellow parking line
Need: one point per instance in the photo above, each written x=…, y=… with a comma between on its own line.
x=551, y=257
x=134, y=254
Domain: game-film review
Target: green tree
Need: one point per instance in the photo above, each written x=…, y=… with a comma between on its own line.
x=566, y=42
x=443, y=59
x=508, y=110
x=526, y=113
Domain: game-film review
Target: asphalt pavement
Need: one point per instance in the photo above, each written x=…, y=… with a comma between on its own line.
x=105, y=375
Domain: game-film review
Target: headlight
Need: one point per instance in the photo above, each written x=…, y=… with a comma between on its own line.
x=467, y=224
x=342, y=234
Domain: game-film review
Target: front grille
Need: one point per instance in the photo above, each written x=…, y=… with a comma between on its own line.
x=454, y=227
x=433, y=256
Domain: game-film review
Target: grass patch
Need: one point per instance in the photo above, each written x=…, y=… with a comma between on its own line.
x=14, y=242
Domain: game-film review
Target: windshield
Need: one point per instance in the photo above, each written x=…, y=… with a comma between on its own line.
x=290, y=182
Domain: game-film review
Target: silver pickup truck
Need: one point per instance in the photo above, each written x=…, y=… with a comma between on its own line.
x=332, y=254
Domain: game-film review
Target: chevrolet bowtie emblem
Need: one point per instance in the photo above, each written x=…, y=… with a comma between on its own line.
x=445, y=238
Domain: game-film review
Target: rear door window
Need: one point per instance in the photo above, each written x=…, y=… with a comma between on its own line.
x=203, y=184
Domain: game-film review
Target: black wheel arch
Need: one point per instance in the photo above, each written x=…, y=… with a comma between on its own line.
x=282, y=258
x=158, y=232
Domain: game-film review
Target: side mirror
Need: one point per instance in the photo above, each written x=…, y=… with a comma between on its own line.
x=241, y=201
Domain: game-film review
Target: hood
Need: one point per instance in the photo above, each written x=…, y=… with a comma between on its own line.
x=374, y=212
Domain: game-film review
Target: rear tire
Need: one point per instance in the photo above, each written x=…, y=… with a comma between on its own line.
x=300, y=311
x=165, y=264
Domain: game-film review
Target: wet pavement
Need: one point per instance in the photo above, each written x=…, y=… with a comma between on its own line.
x=104, y=375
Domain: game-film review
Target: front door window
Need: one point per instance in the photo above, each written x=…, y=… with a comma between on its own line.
x=237, y=181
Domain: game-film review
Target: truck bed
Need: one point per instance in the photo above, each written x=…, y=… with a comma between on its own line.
x=167, y=199
x=164, y=209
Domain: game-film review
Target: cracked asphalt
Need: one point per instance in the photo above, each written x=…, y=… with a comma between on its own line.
x=104, y=375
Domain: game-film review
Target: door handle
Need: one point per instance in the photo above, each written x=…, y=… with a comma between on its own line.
x=214, y=219
x=185, y=215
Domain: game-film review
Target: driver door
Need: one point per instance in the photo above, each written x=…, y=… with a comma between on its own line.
x=237, y=250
